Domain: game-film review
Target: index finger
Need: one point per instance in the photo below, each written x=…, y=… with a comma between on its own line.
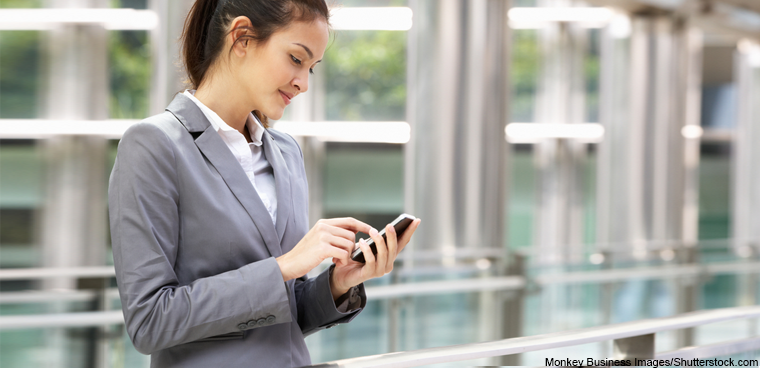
x=349, y=223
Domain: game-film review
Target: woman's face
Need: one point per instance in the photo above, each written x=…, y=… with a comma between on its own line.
x=278, y=70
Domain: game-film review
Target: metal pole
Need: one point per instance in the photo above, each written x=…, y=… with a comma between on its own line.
x=632, y=348
x=456, y=160
x=513, y=314
x=74, y=221
x=560, y=163
x=168, y=73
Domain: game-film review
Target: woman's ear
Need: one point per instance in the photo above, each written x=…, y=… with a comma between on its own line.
x=240, y=35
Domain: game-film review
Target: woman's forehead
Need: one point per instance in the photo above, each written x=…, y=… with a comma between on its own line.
x=312, y=37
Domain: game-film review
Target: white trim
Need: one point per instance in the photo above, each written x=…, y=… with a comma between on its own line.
x=540, y=17
x=371, y=19
x=330, y=131
x=349, y=131
x=537, y=132
x=48, y=321
x=40, y=128
x=50, y=18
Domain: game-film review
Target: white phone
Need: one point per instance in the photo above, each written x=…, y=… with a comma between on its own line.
x=399, y=224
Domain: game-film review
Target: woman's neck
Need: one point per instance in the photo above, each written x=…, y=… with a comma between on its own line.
x=217, y=96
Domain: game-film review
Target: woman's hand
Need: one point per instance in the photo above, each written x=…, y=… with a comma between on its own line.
x=352, y=273
x=332, y=238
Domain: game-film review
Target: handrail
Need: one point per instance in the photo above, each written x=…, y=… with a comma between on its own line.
x=657, y=272
x=547, y=341
x=81, y=319
x=713, y=350
x=45, y=296
x=55, y=272
x=449, y=286
x=445, y=286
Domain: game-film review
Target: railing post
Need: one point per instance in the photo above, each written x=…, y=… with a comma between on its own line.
x=512, y=311
x=394, y=317
x=636, y=347
x=607, y=297
x=686, y=294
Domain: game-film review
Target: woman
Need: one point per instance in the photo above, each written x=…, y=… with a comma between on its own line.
x=208, y=208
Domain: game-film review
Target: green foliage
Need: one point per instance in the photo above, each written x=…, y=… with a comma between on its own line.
x=366, y=76
x=524, y=74
x=25, y=4
x=130, y=72
x=19, y=73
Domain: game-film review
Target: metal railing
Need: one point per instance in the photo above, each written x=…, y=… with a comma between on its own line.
x=394, y=291
x=632, y=340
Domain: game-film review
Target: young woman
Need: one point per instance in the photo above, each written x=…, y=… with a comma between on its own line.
x=208, y=206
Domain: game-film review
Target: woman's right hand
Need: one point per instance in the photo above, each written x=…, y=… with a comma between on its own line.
x=330, y=238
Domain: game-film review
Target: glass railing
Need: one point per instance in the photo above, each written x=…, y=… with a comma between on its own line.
x=478, y=297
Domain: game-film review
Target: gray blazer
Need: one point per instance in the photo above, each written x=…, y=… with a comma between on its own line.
x=194, y=248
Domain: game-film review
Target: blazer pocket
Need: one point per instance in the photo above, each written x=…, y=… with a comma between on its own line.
x=228, y=336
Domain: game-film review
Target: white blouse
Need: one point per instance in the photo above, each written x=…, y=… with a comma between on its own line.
x=250, y=155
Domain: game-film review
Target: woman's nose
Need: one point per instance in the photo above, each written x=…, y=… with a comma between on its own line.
x=301, y=84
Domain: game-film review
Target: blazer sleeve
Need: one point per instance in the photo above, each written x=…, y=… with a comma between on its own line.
x=144, y=208
x=316, y=307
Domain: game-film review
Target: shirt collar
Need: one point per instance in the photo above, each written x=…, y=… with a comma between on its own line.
x=255, y=128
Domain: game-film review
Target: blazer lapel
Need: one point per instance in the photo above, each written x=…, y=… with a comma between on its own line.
x=282, y=182
x=219, y=155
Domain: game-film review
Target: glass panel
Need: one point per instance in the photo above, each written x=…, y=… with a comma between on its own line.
x=21, y=197
x=69, y=347
x=715, y=191
x=364, y=178
x=522, y=200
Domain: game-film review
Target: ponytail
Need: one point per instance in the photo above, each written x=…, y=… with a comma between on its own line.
x=195, y=37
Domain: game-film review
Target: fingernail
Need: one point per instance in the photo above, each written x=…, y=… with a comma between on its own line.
x=373, y=232
x=362, y=242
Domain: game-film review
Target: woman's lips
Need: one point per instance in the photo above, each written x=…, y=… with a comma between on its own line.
x=285, y=98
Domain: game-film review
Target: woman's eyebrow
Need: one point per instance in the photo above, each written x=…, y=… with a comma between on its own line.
x=308, y=51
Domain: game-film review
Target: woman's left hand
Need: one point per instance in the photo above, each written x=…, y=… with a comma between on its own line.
x=345, y=276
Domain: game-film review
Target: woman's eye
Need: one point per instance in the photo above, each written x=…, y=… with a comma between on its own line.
x=311, y=71
x=295, y=60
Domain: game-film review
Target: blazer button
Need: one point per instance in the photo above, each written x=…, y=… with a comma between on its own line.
x=251, y=324
x=261, y=322
x=242, y=327
x=271, y=319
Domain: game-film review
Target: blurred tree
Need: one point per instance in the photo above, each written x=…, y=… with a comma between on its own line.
x=366, y=76
x=20, y=81
x=28, y=4
x=20, y=68
x=130, y=71
x=524, y=74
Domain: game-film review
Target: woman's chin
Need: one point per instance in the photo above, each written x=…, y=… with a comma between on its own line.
x=275, y=114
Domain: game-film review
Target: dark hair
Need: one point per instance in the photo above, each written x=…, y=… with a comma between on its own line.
x=206, y=26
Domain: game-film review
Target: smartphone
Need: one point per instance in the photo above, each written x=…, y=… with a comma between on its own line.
x=399, y=224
